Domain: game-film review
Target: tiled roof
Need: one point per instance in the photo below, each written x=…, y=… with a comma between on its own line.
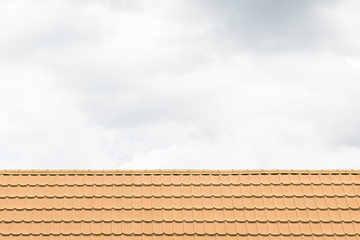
x=179, y=205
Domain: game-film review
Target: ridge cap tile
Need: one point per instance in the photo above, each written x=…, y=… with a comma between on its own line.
x=184, y=171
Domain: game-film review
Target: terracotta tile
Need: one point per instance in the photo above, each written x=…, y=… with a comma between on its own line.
x=236, y=191
x=351, y=190
x=296, y=190
x=188, y=215
x=114, y=178
x=286, y=215
x=157, y=202
x=285, y=179
x=5, y=228
x=176, y=202
x=164, y=178
x=210, y=202
x=306, y=228
x=250, y=215
x=178, y=228
x=264, y=202
x=158, y=216
x=355, y=178
x=241, y=202
x=279, y=203
x=328, y=190
x=146, y=202
x=319, y=190
x=6, y=179
x=245, y=190
x=5, y=215
x=215, y=178
x=325, y=179
x=257, y=191
x=314, y=178
x=210, y=228
x=226, y=190
x=185, y=179
x=192, y=179
x=355, y=215
x=190, y=227
x=317, y=228
x=240, y=215
x=158, y=227
x=293, y=202
x=313, y=215
x=220, y=227
x=197, y=190
x=281, y=214
x=284, y=228
x=172, y=191
x=295, y=227
x=30, y=179
x=336, y=178
x=339, y=190
x=193, y=202
x=137, y=179
x=9, y=203
x=256, y=179
x=219, y=215
x=226, y=179
x=277, y=190
x=351, y=228
x=252, y=228
x=266, y=190
x=245, y=179
x=296, y=179
x=205, y=179
x=187, y=191
x=263, y=227
x=175, y=178
x=261, y=215
x=106, y=179
x=229, y=215
x=67, y=215
x=228, y=202
x=274, y=229
x=274, y=178
x=166, y=202
x=209, y=215
x=18, y=215
x=216, y=190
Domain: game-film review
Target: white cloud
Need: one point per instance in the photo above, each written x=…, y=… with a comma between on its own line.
x=180, y=84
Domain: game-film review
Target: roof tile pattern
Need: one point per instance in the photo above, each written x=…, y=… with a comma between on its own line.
x=178, y=205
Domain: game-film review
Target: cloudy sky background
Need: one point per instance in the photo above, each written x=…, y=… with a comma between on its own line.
x=200, y=84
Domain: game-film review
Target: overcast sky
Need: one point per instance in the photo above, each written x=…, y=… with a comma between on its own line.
x=200, y=84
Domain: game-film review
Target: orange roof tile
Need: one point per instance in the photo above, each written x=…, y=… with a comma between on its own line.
x=179, y=204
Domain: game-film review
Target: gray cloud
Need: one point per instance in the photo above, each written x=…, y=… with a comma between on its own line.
x=279, y=26
x=194, y=84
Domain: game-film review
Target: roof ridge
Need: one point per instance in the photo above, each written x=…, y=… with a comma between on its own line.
x=184, y=171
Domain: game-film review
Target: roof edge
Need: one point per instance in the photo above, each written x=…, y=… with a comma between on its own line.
x=182, y=171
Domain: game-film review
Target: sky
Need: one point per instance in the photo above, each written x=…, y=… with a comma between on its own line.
x=180, y=84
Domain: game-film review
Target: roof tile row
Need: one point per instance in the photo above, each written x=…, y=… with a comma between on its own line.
x=236, y=202
x=192, y=178
x=191, y=191
x=179, y=237
x=178, y=228
x=184, y=215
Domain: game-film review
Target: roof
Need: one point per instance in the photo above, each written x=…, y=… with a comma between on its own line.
x=179, y=204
